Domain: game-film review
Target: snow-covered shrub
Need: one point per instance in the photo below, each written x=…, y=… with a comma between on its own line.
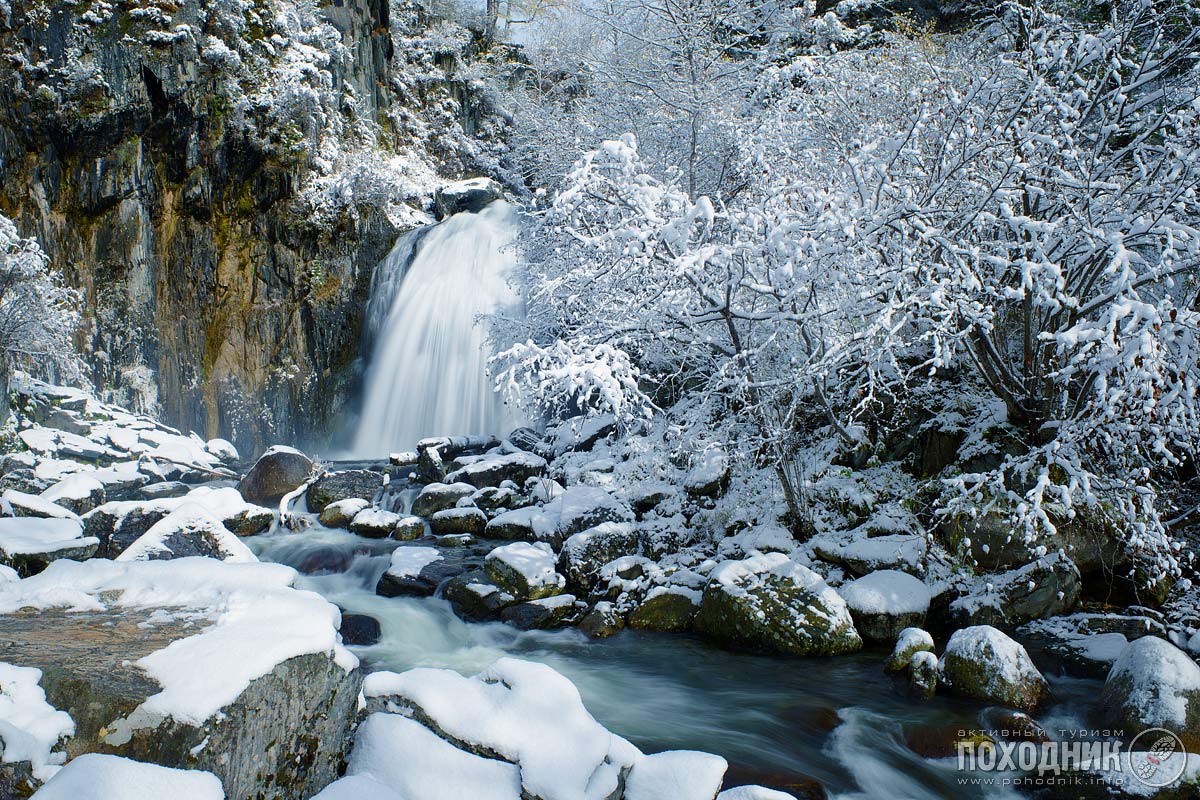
x=568, y=377
x=1015, y=207
x=38, y=314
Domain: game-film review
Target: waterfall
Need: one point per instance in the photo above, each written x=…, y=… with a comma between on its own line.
x=427, y=373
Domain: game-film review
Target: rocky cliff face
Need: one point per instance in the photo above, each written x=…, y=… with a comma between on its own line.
x=220, y=178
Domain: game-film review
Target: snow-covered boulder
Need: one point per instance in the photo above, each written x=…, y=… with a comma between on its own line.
x=94, y=776
x=923, y=674
x=983, y=663
x=22, y=504
x=545, y=613
x=676, y=774
x=32, y=732
x=525, y=570
x=435, y=497
x=584, y=553
x=276, y=472
x=861, y=555
x=415, y=572
x=341, y=485
x=575, y=509
x=476, y=598
x=374, y=523
x=1087, y=644
x=518, y=712
x=29, y=544
x=458, y=520
x=397, y=757
x=470, y=195
x=493, y=470
x=602, y=621
x=909, y=642
x=1047, y=587
x=885, y=602
x=409, y=528
x=494, y=499
x=753, y=793
x=709, y=476
x=118, y=524
x=190, y=530
x=581, y=434
x=190, y=663
x=1154, y=684
x=667, y=608
x=770, y=603
x=341, y=513
x=224, y=450
x=77, y=493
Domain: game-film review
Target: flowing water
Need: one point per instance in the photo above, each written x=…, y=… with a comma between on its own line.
x=841, y=721
x=427, y=373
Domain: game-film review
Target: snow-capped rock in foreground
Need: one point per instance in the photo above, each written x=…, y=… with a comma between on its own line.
x=186, y=662
x=516, y=730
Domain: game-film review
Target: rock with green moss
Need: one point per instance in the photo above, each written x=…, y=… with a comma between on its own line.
x=908, y=643
x=923, y=674
x=1048, y=587
x=525, y=570
x=584, y=553
x=458, y=520
x=983, y=663
x=667, y=608
x=769, y=603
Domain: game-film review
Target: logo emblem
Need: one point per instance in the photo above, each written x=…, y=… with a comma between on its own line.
x=1163, y=760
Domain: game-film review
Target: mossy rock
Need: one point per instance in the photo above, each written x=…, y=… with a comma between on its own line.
x=666, y=611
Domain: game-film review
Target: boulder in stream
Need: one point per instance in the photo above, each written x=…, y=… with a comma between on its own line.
x=435, y=497
x=278, y=471
x=770, y=603
x=342, y=485
x=983, y=663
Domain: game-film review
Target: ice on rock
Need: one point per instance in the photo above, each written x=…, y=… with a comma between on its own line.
x=682, y=774
x=411, y=760
x=522, y=712
x=30, y=728
x=102, y=777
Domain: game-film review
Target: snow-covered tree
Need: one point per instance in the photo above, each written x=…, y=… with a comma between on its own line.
x=1017, y=205
x=38, y=314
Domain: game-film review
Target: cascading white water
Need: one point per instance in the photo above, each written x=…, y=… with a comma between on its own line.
x=427, y=374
